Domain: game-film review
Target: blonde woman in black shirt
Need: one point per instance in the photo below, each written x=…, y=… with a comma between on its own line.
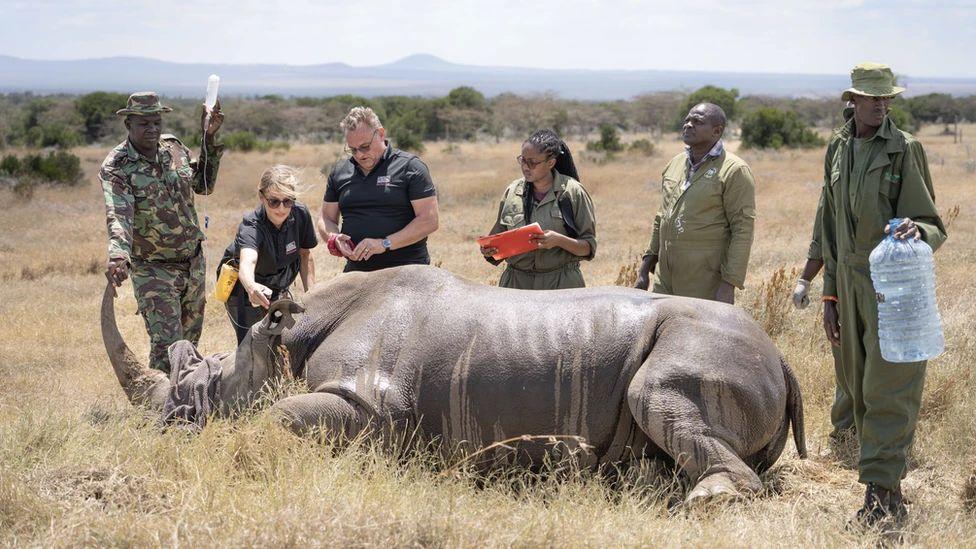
x=272, y=247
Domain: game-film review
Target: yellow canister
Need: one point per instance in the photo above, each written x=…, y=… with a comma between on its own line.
x=225, y=282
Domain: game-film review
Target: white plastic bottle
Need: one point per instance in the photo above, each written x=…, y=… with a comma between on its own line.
x=212, y=84
x=903, y=274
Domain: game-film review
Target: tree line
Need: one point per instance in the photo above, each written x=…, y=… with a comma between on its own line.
x=261, y=122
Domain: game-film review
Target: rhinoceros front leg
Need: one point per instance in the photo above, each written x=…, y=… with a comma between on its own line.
x=329, y=415
x=668, y=407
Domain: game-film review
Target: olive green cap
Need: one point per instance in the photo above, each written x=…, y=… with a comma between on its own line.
x=872, y=80
x=143, y=103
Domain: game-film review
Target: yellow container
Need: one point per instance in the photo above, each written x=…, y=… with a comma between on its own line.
x=225, y=282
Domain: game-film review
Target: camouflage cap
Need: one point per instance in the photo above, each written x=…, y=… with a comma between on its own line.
x=872, y=80
x=142, y=103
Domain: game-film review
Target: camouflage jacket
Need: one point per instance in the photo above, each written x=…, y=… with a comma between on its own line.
x=149, y=206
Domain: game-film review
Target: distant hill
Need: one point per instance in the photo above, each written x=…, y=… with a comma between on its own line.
x=413, y=75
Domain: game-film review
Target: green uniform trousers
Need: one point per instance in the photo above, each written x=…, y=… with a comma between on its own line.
x=171, y=299
x=560, y=279
x=842, y=410
x=886, y=396
x=690, y=269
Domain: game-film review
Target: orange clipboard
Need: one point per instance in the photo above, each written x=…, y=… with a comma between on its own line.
x=513, y=242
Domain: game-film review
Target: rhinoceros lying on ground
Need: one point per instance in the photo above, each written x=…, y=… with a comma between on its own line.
x=633, y=373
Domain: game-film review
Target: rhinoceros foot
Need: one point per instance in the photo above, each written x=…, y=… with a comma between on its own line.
x=717, y=488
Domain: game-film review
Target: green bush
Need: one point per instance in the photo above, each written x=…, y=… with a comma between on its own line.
x=241, y=141
x=407, y=129
x=609, y=141
x=902, y=118
x=769, y=127
x=642, y=147
x=56, y=167
x=10, y=165
x=98, y=111
x=246, y=141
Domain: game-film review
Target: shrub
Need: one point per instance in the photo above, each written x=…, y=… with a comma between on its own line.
x=56, y=167
x=902, y=118
x=60, y=167
x=10, y=165
x=609, y=141
x=769, y=127
x=642, y=147
x=98, y=111
x=246, y=141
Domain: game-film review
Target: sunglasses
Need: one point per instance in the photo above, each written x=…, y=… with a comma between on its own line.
x=276, y=202
x=362, y=149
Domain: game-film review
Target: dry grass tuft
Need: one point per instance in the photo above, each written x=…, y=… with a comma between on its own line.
x=771, y=306
x=628, y=273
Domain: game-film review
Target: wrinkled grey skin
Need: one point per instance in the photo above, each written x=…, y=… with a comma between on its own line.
x=635, y=374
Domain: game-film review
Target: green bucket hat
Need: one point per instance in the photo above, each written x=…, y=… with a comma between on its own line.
x=872, y=80
x=143, y=103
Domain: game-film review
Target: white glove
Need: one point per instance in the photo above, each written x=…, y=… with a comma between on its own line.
x=800, y=298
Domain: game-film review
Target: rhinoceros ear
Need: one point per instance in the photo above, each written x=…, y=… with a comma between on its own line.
x=281, y=316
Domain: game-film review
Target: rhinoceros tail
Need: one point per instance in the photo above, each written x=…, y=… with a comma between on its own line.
x=794, y=408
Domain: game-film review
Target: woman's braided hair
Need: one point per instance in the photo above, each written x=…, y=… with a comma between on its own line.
x=548, y=142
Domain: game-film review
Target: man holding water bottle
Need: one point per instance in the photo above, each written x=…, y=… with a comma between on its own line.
x=873, y=172
x=153, y=233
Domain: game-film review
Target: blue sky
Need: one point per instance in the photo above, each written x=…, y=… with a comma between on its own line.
x=918, y=38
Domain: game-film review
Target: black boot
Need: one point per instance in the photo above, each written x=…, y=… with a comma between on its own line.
x=882, y=508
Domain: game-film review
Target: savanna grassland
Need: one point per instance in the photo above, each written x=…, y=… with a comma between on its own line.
x=79, y=466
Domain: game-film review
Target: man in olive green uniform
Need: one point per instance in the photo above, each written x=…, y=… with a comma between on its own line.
x=873, y=172
x=148, y=181
x=703, y=232
x=842, y=410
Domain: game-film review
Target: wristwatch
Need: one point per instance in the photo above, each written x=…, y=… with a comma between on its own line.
x=387, y=244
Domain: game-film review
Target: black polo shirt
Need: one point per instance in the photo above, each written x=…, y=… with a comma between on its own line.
x=278, y=258
x=378, y=205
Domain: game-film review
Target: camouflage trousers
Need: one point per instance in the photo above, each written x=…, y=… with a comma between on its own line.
x=171, y=299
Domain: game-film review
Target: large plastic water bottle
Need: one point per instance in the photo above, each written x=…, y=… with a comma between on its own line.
x=903, y=274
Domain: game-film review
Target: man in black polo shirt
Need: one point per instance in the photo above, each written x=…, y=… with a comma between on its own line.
x=385, y=197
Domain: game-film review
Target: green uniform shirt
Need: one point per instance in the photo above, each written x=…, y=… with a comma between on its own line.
x=546, y=213
x=716, y=212
x=888, y=177
x=149, y=205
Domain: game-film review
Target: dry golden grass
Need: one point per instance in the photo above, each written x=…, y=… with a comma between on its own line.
x=79, y=467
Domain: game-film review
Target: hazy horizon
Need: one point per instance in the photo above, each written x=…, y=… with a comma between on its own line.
x=917, y=38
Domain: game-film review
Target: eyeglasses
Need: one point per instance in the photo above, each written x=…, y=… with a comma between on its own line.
x=529, y=162
x=276, y=202
x=364, y=148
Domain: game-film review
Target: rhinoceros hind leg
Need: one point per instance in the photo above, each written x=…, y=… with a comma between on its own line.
x=328, y=415
x=675, y=423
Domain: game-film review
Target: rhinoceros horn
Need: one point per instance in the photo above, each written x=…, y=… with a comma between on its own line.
x=143, y=386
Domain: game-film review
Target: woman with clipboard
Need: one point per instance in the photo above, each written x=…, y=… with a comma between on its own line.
x=550, y=194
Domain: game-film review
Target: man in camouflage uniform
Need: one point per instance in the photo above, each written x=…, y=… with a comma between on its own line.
x=149, y=181
x=873, y=172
